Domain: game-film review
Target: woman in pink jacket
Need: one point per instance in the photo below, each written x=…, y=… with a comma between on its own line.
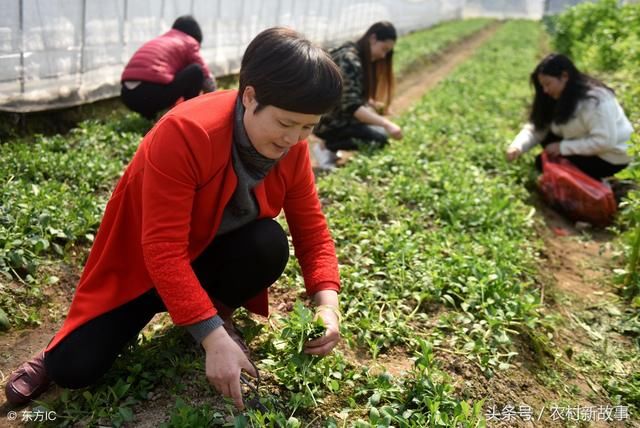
x=189, y=228
x=165, y=69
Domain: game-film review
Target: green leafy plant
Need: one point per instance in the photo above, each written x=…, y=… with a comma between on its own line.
x=302, y=374
x=186, y=416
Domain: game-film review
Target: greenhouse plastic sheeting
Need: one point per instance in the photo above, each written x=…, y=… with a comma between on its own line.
x=57, y=53
x=504, y=8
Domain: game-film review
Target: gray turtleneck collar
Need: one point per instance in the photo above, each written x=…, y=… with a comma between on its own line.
x=251, y=168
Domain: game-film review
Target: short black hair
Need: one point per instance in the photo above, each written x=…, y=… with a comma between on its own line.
x=188, y=25
x=289, y=72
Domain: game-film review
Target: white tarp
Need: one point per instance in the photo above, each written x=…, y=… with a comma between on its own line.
x=57, y=53
x=503, y=9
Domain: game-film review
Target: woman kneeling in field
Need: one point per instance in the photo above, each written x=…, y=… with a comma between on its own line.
x=577, y=117
x=367, y=69
x=189, y=228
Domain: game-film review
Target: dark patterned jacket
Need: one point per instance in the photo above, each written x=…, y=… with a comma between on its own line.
x=347, y=57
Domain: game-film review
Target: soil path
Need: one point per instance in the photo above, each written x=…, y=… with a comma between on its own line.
x=16, y=346
x=415, y=84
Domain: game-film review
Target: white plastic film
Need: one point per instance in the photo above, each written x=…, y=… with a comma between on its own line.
x=58, y=53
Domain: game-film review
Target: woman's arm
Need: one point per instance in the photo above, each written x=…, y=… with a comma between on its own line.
x=366, y=114
x=527, y=138
x=173, y=172
x=353, y=101
x=195, y=56
x=312, y=242
x=171, y=176
x=315, y=250
x=599, y=116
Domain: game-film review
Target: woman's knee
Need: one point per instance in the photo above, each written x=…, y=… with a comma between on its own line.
x=271, y=246
x=378, y=135
x=74, y=370
x=193, y=73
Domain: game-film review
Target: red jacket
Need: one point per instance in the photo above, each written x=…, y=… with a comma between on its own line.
x=158, y=60
x=168, y=205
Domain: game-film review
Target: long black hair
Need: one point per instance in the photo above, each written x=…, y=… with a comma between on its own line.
x=378, y=76
x=546, y=109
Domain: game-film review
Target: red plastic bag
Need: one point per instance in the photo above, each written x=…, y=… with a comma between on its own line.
x=580, y=197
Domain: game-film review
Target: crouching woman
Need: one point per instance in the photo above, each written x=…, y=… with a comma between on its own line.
x=189, y=228
x=577, y=117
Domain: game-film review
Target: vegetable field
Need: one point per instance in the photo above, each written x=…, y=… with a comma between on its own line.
x=455, y=309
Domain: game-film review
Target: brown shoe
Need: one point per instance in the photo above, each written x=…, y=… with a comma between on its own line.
x=236, y=335
x=27, y=382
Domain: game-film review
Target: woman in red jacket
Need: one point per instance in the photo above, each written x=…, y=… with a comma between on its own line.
x=189, y=228
x=165, y=69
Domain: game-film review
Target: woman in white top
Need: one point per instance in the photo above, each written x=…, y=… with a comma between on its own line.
x=577, y=117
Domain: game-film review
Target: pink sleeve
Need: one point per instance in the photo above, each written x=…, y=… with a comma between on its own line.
x=194, y=56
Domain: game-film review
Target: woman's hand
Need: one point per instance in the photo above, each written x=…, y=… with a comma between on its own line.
x=366, y=114
x=324, y=344
x=327, y=309
x=553, y=149
x=513, y=153
x=393, y=130
x=224, y=361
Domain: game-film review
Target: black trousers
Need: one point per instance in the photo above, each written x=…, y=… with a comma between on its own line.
x=233, y=269
x=593, y=166
x=353, y=137
x=149, y=98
